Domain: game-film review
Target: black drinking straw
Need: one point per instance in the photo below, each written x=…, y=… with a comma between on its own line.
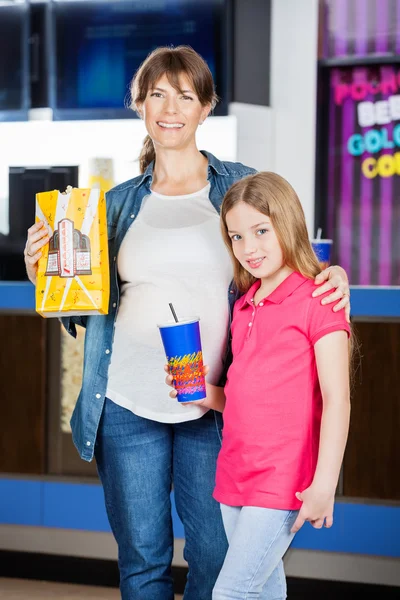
x=173, y=312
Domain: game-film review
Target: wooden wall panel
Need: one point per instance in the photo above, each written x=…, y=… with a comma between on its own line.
x=23, y=358
x=63, y=457
x=372, y=459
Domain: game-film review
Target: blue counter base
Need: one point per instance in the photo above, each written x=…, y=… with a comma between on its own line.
x=365, y=301
x=358, y=528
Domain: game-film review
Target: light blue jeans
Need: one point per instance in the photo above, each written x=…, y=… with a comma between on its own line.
x=253, y=567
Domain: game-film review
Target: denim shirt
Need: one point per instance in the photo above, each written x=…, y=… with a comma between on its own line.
x=123, y=205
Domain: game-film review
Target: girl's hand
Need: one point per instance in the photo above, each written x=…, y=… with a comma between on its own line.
x=335, y=278
x=317, y=508
x=38, y=237
x=169, y=380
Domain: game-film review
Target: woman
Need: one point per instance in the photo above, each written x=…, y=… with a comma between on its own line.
x=165, y=246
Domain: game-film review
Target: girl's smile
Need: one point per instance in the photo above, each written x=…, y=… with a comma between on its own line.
x=255, y=263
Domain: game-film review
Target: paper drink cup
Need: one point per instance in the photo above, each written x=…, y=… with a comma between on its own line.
x=322, y=249
x=182, y=345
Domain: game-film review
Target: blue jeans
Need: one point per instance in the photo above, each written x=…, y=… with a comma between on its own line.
x=253, y=568
x=137, y=460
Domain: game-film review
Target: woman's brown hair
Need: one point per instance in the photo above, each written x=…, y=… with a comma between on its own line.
x=172, y=62
x=273, y=196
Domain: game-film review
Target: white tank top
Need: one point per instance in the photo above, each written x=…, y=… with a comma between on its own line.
x=173, y=252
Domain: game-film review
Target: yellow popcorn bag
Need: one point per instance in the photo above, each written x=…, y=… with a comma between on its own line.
x=73, y=273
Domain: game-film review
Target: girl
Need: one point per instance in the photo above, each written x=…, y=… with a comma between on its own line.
x=164, y=246
x=287, y=407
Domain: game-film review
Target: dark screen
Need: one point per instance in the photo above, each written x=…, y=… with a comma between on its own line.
x=13, y=68
x=24, y=184
x=101, y=43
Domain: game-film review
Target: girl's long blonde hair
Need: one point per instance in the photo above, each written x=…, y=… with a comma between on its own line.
x=172, y=62
x=273, y=196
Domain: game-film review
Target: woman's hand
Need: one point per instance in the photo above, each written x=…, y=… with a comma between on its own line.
x=38, y=237
x=317, y=508
x=335, y=278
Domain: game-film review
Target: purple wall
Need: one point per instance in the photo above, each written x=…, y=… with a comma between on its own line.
x=356, y=28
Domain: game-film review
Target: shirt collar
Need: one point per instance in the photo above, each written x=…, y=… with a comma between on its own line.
x=214, y=164
x=285, y=289
x=148, y=172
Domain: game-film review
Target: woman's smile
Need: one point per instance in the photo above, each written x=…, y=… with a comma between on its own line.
x=166, y=125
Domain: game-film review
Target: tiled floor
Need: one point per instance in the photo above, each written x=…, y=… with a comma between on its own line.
x=22, y=589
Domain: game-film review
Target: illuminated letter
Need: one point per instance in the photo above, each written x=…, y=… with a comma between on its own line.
x=396, y=135
x=394, y=105
x=341, y=91
x=386, y=165
x=355, y=144
x=358, y=90
x=366, y=114
x=382, y=112
x=373, y=142
x=368, y=168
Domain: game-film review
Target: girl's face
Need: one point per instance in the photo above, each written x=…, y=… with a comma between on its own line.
x=172, y=117
x=254, y=241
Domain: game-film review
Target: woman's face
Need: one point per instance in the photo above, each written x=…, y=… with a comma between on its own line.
x=172, y=117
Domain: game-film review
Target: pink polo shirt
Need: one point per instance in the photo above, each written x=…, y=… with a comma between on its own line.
x=273, y=406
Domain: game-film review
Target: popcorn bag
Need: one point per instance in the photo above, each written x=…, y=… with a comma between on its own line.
x=73, y=273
